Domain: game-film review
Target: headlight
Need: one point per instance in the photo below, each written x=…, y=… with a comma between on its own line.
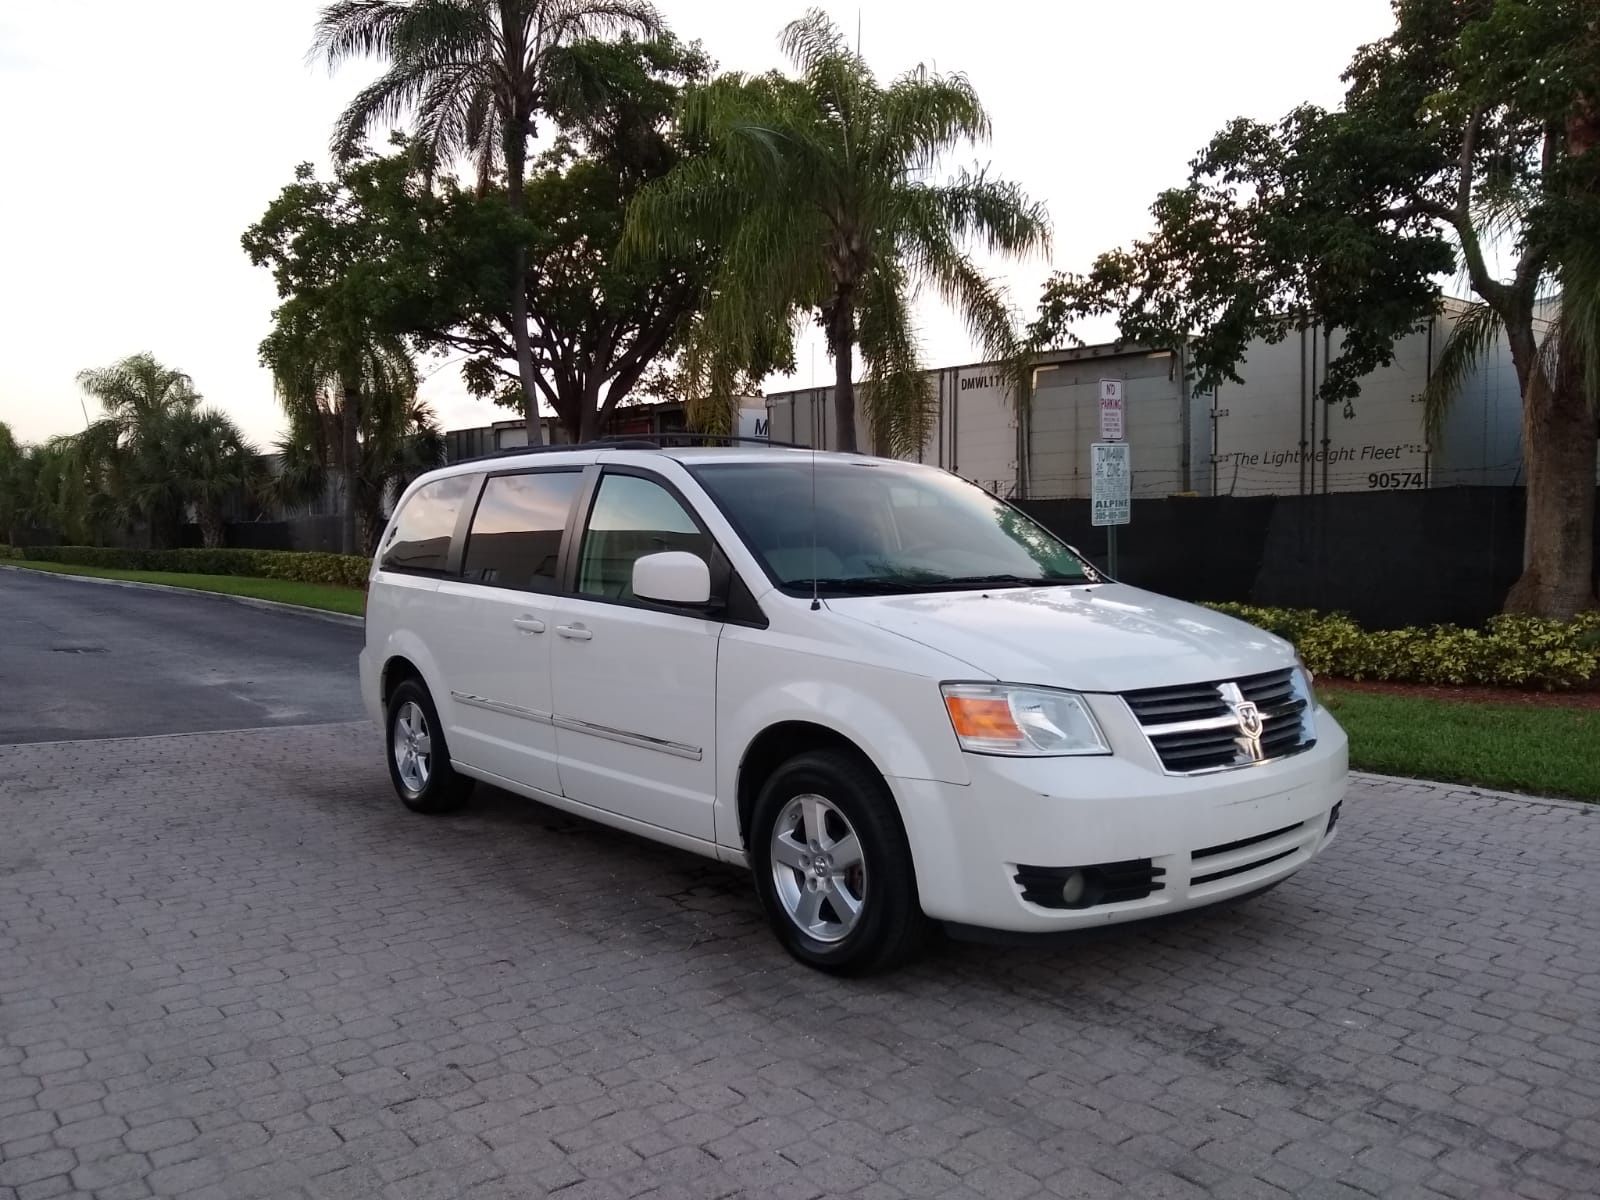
x=998, y=718
x=1302, y=680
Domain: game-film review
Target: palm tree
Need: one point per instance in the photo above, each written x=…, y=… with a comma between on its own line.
x=400, y=445
x=474, y=75
x=50, y=491
x=11, y=479
x=125, y=453
x=397, y=446
x=814, y=191
x=207, y=463
x=333, y=381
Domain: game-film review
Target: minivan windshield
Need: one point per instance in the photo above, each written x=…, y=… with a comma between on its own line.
x=875, y=527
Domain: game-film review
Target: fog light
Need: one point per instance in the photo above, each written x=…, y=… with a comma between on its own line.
x=1073, y=888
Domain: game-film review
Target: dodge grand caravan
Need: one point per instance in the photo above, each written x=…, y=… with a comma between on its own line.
x=895, y=698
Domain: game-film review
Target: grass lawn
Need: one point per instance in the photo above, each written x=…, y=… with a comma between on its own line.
x=325, y=596
x=1546, y=749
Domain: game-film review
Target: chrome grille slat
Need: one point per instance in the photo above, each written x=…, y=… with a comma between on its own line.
x=1194, y=728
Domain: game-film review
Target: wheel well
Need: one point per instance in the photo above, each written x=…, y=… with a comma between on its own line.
x=775, y=746
x=395, y=672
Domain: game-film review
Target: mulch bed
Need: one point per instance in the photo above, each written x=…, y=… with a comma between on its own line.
x=1587, y=699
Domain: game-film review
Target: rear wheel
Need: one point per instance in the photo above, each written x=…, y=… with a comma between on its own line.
x=833, y=868
x=419, y=761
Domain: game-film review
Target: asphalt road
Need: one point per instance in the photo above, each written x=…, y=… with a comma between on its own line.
x=88, y=660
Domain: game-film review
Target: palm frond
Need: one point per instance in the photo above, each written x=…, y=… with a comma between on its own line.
x=387, y=100
x=453, y=116
x=895, y=391
x=995, y=213
x=572, y=20
x=1579, y=275
x=924, y=115
x=1471, y=337
x=394, y=28
x=812, y=40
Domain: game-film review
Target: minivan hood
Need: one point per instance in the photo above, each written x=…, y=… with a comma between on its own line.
x=1100, y=638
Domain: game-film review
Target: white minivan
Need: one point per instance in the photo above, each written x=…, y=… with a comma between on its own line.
x=898, y=700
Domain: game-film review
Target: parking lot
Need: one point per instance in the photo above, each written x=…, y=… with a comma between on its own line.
x=232, y=965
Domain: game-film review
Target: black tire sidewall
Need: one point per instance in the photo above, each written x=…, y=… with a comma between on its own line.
x=892, y=918
x=443, y=791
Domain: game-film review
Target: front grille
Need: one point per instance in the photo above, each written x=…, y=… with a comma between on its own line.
x=1200, y=727
x=1104, y=883
x=1242, y=843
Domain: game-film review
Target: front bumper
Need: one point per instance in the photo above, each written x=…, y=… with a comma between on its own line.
x=371, y=691
x=968, y=841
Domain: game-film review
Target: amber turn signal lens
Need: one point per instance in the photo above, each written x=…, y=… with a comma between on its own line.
x=982, y=718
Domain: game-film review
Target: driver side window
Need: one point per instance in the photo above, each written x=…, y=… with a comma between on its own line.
x=632, y=517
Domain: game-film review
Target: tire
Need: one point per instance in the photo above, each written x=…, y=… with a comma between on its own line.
x=808, y=896
x=425, y=781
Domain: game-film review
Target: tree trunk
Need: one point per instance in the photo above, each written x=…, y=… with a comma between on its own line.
x=516, y=152
x=211, y=526
x=349, y=465
x=842, y=342
x=1558, y=450
x=589, y=426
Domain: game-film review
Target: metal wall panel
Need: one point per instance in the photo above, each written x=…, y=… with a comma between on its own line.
x=1064, y=421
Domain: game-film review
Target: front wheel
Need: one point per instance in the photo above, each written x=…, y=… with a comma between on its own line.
x=833, y=868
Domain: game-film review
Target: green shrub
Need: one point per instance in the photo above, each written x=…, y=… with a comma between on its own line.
x=346, y=570
x=1510, y=651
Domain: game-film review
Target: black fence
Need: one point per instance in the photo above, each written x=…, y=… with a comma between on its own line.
x=1387, y=558
x=298, y=533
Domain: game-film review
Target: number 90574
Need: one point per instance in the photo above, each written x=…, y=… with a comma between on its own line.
x=1395, y=479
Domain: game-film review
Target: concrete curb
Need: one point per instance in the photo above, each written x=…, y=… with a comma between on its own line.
x=1470, y=789
x=248, y=601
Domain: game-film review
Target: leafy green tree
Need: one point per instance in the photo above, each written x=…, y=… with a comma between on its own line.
x=474, y=74
x=428, y=256
x=337, y=353
x=813, y=191
x=1470, y=129
x=599, y=322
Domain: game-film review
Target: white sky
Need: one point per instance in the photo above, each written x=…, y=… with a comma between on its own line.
x=142, y=139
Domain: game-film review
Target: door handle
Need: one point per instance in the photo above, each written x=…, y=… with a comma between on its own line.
x=529, y=624
x=577, y=633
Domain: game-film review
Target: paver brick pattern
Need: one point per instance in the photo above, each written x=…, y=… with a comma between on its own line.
x=231, y=965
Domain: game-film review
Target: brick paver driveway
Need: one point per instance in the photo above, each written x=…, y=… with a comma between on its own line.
x=231, y=965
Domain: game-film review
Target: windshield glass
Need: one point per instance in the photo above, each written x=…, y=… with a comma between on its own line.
x=880, y=526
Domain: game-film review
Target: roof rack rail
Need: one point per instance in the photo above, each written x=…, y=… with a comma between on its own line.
x=559, y=447
x=687, y=437
x=634, y=441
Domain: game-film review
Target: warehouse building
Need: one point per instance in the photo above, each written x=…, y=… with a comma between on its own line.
x=1266, y=436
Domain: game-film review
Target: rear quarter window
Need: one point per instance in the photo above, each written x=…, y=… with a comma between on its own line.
x=420, y=537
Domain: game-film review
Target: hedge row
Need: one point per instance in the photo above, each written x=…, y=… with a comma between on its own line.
x=346, y=570
x=1511, y=651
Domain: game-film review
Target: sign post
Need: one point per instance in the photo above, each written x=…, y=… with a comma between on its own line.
x=1111, y=424
x=1111, y=498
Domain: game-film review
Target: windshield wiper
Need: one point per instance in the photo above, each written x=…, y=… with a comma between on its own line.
x=863, y=585
x=1019, y=580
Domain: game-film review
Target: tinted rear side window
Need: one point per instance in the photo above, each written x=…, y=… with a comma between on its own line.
x=516, y=532
x=420, y=539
